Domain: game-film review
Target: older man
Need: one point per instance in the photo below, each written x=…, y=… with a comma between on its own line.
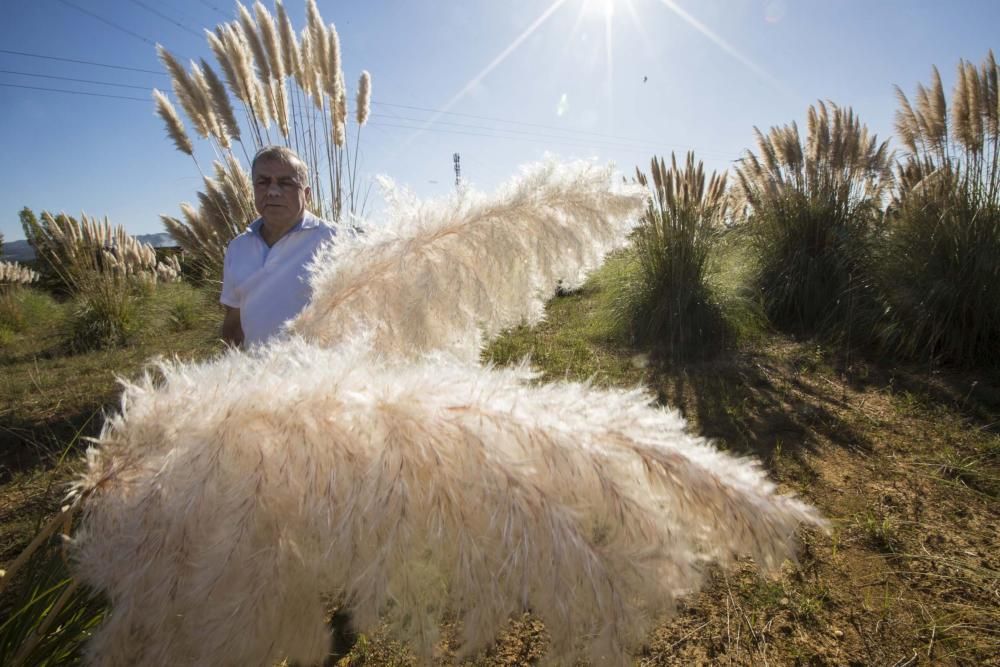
x=264, y=276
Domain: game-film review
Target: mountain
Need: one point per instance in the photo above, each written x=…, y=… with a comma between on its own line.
x=21, y=251
x=161, y=240
x=17, y=251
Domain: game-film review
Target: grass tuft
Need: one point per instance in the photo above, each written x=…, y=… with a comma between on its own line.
x=664, y=299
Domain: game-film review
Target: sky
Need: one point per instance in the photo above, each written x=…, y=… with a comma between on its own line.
x=501, y=82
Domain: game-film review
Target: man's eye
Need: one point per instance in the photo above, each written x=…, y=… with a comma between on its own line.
x=287, y=183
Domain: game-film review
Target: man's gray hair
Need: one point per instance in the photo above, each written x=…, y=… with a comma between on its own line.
x=284, y=155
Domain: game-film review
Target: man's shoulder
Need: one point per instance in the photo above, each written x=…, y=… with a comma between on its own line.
x=319, y=226
x=246, y=236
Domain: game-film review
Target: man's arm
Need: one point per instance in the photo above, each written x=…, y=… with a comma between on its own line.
x=232, y=328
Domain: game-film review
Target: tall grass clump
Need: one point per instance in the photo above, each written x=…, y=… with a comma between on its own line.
x=942, y=256
x=277, y=87
x=225, y=206
x=812, y=215
x=665, y=299
x=105, y=270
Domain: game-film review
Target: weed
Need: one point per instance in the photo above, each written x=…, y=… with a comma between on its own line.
x=880, y=531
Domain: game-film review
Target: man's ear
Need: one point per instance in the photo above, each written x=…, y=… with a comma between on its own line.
x=308, y=193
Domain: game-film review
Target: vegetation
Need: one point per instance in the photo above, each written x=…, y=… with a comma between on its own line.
x=812, y=216
x=665, y=298
x=941, y=270
x=104, y=269
x=905, y=463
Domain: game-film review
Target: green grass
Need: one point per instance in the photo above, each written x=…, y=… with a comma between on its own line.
x=940, y=279
x=27, y=309
x=813, y=265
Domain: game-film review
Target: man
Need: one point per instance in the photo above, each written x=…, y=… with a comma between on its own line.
x=264, y=279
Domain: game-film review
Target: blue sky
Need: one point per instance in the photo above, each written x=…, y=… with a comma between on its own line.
x=570, y=82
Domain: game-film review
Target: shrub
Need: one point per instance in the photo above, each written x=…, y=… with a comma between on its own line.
x=104, y=313
x=941, y=273
x=812, y=215
x=664, y=300
x=105, y=270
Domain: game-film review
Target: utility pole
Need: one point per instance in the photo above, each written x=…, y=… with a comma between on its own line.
x=458, y=170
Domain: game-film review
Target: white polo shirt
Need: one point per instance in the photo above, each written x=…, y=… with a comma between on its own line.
x=270, y=284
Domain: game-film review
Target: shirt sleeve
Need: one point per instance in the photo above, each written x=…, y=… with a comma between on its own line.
x=228, y=297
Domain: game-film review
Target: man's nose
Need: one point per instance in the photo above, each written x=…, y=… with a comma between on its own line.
x=274, y=189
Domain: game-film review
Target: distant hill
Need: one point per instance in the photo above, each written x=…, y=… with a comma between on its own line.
x=20, y=251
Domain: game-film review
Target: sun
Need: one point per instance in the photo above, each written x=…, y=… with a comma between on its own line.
x=599, y=8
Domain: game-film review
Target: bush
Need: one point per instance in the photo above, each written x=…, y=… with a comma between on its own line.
x=812, y=216
x=105, y=313
x=663, y=296
x=941, y=262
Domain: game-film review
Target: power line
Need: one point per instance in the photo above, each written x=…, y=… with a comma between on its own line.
x=163, y=16
x=69, y=78
x=108, y=22
x=571, y=136
x=554, y=141
x=83, y=62
x=514, y=122
x=74, y=92
x=217, y=10
x=507, y=138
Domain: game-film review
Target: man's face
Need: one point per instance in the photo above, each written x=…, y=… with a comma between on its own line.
x=279, y=196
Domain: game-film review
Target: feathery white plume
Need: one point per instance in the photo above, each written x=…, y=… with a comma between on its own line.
x=230, y=496
x=364, y=97
x=439, y=276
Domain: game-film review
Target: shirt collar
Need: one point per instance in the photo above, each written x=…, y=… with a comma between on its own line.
x=308, y=221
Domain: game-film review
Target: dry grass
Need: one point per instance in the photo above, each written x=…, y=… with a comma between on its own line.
x=860, y=440
x=910, y=567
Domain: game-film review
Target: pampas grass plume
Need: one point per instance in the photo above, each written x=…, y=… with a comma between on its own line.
x=441, y=276
x=12, y=273
x=364, y=97
x=289, y=44
x=175, y=128
x=230, y=496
